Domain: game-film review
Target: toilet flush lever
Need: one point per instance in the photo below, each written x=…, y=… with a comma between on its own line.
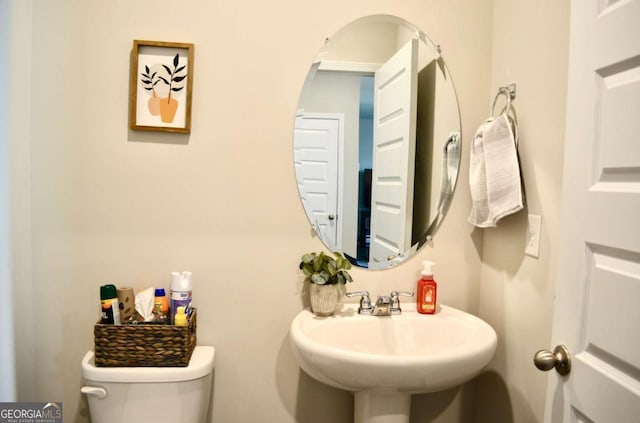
x=95, y=391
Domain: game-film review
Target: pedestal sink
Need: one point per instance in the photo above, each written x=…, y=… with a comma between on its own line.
x=384, y=360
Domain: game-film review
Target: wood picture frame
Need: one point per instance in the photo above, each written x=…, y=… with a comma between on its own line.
x=160, y=85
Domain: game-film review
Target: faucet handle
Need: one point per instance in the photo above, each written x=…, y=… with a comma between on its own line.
x=395, y=301
x=363, y=294
x=395, y=294
x=365, y=301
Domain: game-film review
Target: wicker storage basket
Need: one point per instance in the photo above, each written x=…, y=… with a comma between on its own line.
x=144, y=345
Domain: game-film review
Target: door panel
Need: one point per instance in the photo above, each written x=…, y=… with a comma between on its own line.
x=394, y=137
x=597, y=309
x=316, y=149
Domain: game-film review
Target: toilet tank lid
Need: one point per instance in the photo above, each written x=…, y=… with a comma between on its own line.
x=201, y=364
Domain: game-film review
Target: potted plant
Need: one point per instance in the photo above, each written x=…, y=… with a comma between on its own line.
x=325, y=275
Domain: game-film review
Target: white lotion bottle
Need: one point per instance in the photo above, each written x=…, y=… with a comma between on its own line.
x=181, y=288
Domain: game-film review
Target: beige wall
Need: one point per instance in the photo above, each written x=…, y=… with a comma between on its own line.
x=19, y=99
x=109, y=205
x=530, y=47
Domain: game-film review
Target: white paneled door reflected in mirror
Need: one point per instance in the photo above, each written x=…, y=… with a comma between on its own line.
x=377, y=141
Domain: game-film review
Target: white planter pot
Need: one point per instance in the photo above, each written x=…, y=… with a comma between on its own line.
x=324, y=299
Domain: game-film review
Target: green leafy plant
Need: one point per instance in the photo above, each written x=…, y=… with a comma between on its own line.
x=322, y=269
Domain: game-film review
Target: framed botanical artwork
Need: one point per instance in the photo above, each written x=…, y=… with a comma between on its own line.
x=161, y=86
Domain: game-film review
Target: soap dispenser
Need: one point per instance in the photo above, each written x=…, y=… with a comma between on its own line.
x=426, y=290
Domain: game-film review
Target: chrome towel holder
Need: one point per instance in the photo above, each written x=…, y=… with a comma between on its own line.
x=509, y=91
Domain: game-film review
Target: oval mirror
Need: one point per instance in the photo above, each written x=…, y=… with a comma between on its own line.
x=377, y=141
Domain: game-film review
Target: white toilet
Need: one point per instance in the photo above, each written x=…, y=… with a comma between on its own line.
x=149, y=394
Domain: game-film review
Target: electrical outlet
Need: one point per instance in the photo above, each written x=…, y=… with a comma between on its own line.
x=533, y=236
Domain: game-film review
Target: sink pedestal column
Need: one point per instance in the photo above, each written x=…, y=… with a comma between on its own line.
x=382, y=407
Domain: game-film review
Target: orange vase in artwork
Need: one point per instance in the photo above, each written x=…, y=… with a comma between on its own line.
x=154, y=104
x=168, y=107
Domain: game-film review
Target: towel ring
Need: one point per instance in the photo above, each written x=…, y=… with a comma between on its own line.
x=510, y=93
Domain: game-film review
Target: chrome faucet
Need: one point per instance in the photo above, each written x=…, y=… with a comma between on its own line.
x=385, y=305
x=382, y=307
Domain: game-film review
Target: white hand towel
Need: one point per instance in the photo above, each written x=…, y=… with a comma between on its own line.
x=494, y=173
x=478, y=180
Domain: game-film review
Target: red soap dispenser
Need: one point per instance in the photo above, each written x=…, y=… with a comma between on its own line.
x=426, y=290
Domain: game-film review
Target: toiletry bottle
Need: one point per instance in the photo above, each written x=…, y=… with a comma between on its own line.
x=426, y=290
x=110, y=306
x=180, y=293
x=161, y=306
x=180, y=319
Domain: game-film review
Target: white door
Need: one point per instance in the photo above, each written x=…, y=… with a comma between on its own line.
x=394, y=145
x=597, y=308
x=316, y=150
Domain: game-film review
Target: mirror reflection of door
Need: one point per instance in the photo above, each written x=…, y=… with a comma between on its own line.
x=383, y=173
x=338, y=93
x=394, y=144
x=318, y=141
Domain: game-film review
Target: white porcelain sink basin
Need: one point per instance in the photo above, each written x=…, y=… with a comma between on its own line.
x=394, y=355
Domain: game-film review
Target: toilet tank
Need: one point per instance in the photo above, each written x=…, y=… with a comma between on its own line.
x=149, y=394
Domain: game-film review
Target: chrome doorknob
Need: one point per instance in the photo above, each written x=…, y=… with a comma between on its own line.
x=331, y=217
x=560, y=359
